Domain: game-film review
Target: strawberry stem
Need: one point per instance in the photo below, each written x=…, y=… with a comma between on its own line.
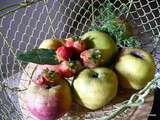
x=95, y=54
x=75, y=37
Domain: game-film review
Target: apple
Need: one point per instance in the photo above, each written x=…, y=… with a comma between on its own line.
x=135, y=68
x=94, y=88
x=48, y=98
x=51, y=43
x=101, y=40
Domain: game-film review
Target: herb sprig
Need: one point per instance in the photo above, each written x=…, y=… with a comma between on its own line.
x=109, y=21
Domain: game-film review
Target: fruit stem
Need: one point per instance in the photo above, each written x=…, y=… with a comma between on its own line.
x=95, y=75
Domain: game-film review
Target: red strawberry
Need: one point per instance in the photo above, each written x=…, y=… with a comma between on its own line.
x=63, y=53
x=69, y=68
x=69, y=42
x=48, y=77
x=79, y=46
x=65, y=69
x=91, y=58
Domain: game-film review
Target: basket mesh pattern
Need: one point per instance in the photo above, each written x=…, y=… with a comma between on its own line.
x=26, y=28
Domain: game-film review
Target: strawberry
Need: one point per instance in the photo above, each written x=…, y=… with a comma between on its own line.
x=48, y=77
x=75, y=43
x=63, y=53
x=69, y=42
x=91, y=58
x=64, y=69
x=69, y=68
x=79, y=46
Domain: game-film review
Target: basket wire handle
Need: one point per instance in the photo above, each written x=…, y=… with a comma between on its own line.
x=135, y=100
x=17, y=6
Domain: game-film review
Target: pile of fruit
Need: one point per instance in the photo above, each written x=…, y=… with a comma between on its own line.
x=97, y=68
x=88, y=69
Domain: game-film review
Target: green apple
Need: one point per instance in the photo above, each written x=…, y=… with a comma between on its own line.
x=135, y=68
x=101, y=40
x=51, y=43
x=94, y=88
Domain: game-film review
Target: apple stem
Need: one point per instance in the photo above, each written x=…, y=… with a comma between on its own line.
x=95, y=75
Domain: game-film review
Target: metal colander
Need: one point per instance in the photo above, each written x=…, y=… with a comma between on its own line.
x=25, y=24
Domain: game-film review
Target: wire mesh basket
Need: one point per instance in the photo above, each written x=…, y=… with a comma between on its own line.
x=25, y=24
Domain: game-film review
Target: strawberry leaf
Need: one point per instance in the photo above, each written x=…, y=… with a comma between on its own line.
x=75, y=37
x=39, y=56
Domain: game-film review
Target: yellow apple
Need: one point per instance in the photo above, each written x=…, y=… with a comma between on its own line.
x=135, y=68
x=102, y=41
x=94, y=88
x=51, y=43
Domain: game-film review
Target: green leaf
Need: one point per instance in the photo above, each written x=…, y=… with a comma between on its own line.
x=39, y=56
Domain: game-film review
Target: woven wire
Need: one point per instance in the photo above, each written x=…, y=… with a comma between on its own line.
x=27, y=28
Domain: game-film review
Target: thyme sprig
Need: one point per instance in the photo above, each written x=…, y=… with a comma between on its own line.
x=109, y=21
